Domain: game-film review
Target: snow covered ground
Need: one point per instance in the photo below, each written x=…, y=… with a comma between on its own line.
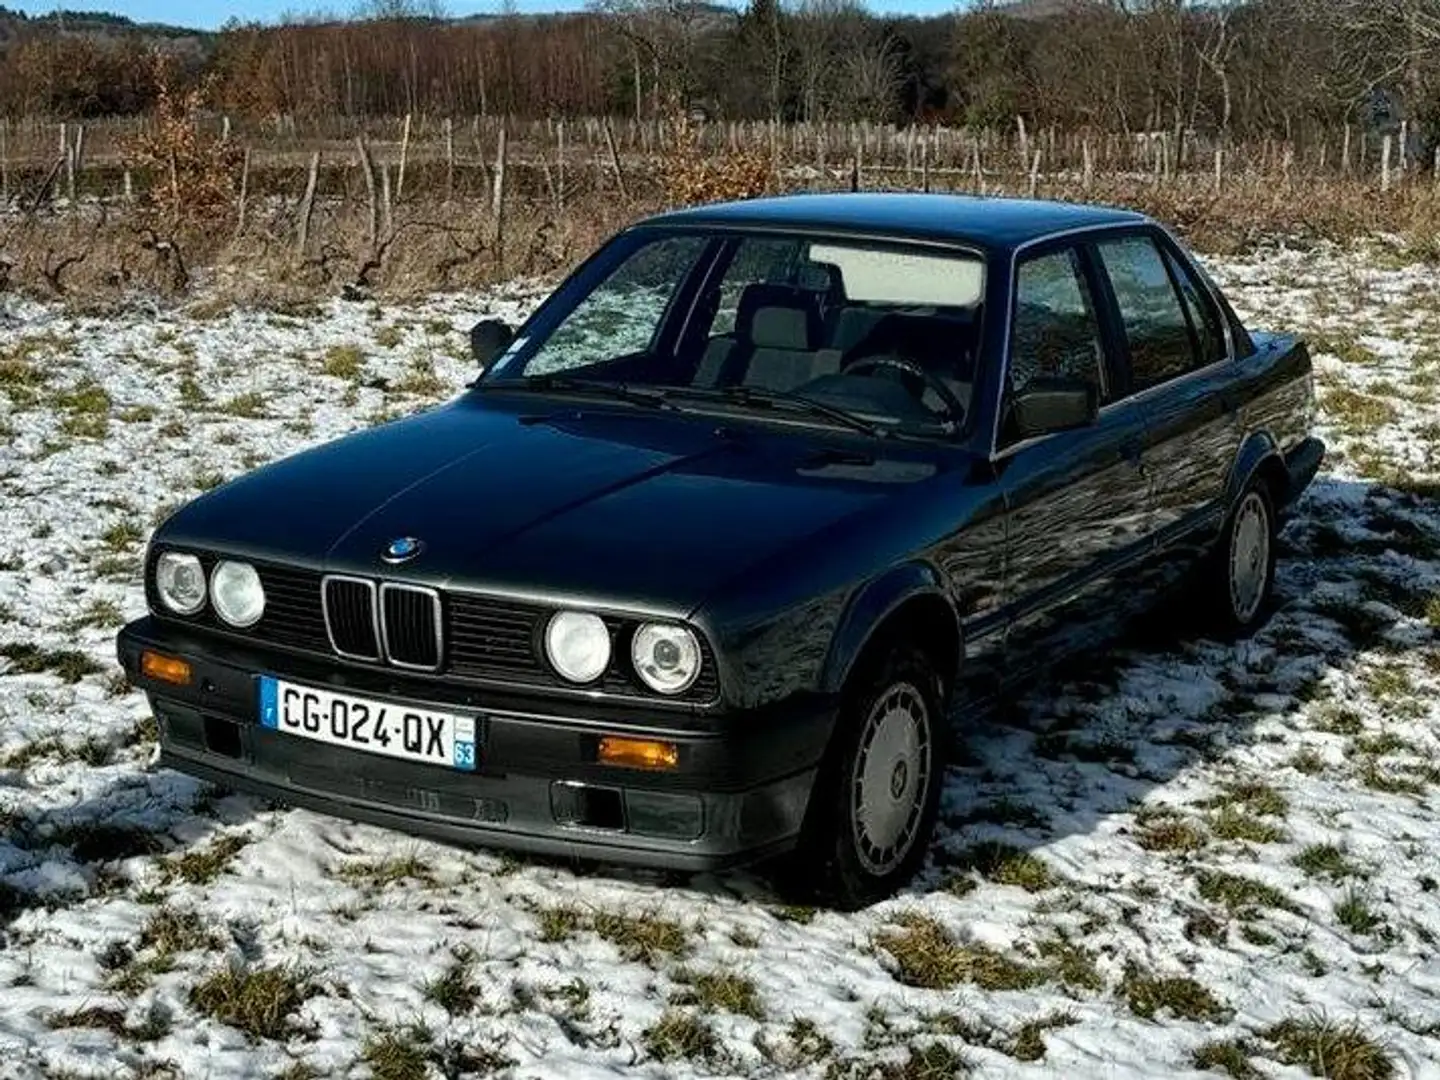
x=1196, y=858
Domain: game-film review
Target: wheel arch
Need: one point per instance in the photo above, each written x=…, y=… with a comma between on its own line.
x=908, y=603
x=1259, y=457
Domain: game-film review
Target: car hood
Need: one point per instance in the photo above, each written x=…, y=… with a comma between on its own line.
x=606, y=506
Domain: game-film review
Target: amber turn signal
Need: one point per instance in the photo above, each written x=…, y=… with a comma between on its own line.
x=638, y=753
x=165, y=668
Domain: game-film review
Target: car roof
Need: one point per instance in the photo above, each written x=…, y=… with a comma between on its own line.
x=988, y=222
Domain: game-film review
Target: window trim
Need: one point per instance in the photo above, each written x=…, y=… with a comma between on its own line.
x=1085, y=235
x=1084, y=269
x=1133, y=390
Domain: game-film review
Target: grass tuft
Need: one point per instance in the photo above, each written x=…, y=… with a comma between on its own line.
x=1180, y=995
x=1325, y=860
x=99, y=1017
x=927, y=957
x=723, y=992
x=1355, y=914
x=378, y=873
x=1232, y=823
x=679, y=1034
x=1029, y=1041
x=1229, y=1057
x=1240, y=894
x=170, y=931
x=559, y=923
x=257, y=1001
x=343, y=362
x=1330, y=1049
x=1163, y=829
x=398, y=1055
x=203, y=865
x=1005, y=864
x=1255, y=796
x=641, y=937
x=454, y=990
x=28, y=659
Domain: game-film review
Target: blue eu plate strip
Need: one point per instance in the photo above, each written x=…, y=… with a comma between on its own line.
x=269, y=702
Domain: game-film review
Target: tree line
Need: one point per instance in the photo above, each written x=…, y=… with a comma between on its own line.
x=1256, y=68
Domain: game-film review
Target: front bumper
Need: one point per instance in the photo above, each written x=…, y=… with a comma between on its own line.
x=738, y=794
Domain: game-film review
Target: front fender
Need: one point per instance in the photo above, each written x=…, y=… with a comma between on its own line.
x=868, y=608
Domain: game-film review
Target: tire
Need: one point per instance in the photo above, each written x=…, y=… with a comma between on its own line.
x=889, y=743
x=1240, y=578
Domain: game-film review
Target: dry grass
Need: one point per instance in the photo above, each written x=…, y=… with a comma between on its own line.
x=928, y=957
x=680, y=1034
x=1331, y=1049
x=1179, y=995
x=257, y=1001
x=1005, y=864
x=97, y=261
x=203, y=865
x=721, y=992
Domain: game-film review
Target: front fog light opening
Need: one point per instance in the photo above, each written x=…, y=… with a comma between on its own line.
x=666, y=657
x=180, y=582
x=237, y=594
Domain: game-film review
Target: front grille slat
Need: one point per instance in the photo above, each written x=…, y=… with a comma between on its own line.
x=350, y=615
x=410, y=621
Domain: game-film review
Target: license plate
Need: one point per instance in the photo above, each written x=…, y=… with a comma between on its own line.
x=376, y=727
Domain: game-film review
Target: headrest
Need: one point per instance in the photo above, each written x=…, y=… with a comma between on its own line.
x=779, y=317
x=822, y=278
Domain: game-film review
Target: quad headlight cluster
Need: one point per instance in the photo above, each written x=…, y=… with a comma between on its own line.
x=666, y=656
x=234, y=588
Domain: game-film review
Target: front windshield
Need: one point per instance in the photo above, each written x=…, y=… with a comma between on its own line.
x=878, y=331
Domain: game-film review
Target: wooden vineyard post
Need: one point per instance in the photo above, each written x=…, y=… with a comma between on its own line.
x=307, y=205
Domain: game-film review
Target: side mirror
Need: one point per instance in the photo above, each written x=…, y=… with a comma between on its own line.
x=1050, y=404
x=488, y=339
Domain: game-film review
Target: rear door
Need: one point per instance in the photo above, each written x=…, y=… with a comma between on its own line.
x=1077, y=502
x=1176, y=356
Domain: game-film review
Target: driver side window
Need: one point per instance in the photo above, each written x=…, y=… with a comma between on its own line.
x=1054, y=333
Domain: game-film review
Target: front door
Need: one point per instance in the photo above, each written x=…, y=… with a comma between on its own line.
x=1077, y=502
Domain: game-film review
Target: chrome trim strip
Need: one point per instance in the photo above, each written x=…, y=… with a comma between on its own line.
x=423, y=590
x=374, y=615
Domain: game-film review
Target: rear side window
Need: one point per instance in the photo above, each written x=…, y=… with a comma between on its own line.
x=1204, y=318
x=1157, y=329
x=1055, y=333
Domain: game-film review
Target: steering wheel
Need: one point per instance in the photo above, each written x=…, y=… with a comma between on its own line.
x=954, y=407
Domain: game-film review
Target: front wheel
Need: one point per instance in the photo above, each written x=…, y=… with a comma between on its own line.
x=1242, y=568
x=874, y=806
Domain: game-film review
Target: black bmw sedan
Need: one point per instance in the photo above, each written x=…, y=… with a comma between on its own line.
x=726, y=544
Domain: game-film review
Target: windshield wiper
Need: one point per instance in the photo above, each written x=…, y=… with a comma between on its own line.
x=792, y=402
x=568, y=384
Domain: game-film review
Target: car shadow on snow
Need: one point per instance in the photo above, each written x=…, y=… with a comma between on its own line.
x=1358, y=563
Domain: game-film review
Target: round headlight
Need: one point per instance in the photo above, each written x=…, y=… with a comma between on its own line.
x=180, y=581
x=666, y=656
x=578, y=645
x=237, y=594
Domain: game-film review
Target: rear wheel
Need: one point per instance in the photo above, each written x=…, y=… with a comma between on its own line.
x=1241, y=576
x=874, y=806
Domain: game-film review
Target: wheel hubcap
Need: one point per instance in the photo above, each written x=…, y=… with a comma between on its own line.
x=1249, y=557
x=891, y=778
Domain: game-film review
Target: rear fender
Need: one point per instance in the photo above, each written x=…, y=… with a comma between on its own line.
x=1258, y=453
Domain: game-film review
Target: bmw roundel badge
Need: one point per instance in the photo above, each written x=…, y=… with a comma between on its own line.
x=402, y=549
